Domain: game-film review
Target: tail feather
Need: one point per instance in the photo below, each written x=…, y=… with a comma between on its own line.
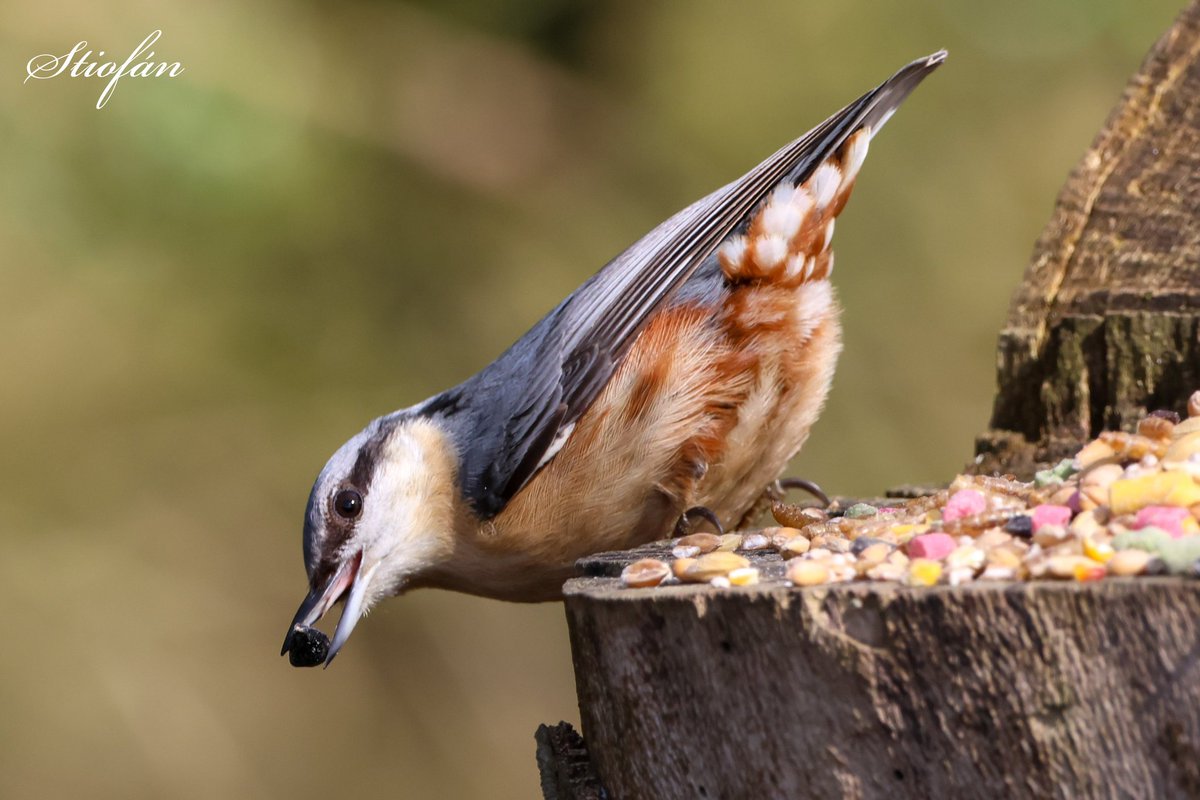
x=786, y=239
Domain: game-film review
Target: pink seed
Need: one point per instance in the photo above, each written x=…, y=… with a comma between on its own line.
x=934, y=546
x=964, y=503
x=1047, y=514
x=1169, y=518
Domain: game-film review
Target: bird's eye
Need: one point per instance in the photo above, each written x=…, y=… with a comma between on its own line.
x=348, y=503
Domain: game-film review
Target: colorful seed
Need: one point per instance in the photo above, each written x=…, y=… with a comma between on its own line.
x=1047, y=514
x=797, y=546
x=860, y=511
x=1161, y=488
x=712, y=565
x=807, y=573
x=703, y=542
x=931, y=546
x=1156, y=427
x=1172, y=519
x=923, y=572
x=646, y=572
x=964, y=503
x=1128, y=562
x=757, y=541
x=794, y=516
x=745, y=576
x=732, y=541
x=1020, y=525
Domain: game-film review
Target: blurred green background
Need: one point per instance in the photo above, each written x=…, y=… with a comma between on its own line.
x=339, y=209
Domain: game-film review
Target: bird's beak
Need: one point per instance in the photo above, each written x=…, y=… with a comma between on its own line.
x=350, y=581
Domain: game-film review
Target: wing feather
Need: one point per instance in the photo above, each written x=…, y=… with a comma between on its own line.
x=508, y=420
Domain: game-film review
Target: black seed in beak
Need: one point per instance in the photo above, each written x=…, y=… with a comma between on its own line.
x=308, y=647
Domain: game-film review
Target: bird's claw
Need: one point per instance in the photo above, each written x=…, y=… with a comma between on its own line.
x=779, y=489
x=683, y=524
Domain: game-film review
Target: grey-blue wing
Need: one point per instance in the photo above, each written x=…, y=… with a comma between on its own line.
x=510, y=419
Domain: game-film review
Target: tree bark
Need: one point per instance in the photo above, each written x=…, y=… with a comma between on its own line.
x=878, y=690
x=1106, y=325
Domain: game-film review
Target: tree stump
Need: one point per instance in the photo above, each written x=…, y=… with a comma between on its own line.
x=1106, y=325
x=878, y=690
x=997, y=689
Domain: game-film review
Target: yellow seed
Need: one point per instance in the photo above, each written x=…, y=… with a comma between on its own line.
x=1160, y=488
x=646, y=572
x=746, y=576
x=797, y=546
x=923, y=572
x=1097, y=551
x=712, y=565
x=803, y=572
x=705, y=542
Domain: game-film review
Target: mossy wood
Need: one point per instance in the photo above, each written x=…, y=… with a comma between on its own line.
x=1106, y=324
x=1000, y=690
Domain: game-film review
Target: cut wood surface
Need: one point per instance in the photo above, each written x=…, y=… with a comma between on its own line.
x=878, y=690
x=1106, y=324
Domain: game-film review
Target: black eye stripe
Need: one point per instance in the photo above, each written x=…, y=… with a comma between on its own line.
x=327, y=531
x=368, y=456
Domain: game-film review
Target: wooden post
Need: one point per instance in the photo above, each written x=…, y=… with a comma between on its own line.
x=868, y=690
x=998, y=690
x=1106, y=325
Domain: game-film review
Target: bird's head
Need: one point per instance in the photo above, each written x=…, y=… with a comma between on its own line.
x=380, y=514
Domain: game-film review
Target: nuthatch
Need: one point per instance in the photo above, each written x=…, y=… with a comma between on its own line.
x=685, y=373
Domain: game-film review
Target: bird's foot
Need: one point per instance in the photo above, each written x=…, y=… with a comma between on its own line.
x=775, y=492
x=684, y=525
x=778, y=489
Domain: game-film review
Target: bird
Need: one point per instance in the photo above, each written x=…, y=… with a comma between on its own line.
x=683, y=375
